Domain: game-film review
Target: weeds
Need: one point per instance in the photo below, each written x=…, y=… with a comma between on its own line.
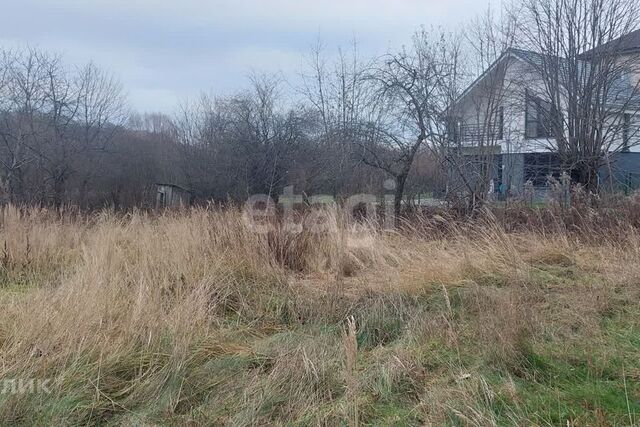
x=190, y=317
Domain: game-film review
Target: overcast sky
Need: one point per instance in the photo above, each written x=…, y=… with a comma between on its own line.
x=165, y=51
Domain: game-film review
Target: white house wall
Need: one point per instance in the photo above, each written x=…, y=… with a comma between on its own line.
x=520, y=75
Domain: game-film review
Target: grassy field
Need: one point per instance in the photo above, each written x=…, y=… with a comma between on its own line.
x=192, y=318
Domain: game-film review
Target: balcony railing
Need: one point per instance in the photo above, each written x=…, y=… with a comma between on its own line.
x=475, y=134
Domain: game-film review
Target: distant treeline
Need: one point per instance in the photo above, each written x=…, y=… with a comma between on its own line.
x=348, y=125
x=68, y=138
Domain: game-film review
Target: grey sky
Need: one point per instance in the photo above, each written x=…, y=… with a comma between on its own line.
x=165, y=51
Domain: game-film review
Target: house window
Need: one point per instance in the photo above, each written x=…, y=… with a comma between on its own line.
x=455, y=127
x=500, y=129
x=538, y=117
x=538, y=167
x=626, y=125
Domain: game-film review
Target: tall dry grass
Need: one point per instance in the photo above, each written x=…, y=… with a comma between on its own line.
x=143, y=318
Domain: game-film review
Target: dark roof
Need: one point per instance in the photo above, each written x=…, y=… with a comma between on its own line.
x=179, y=187
x=622, y=90
x=527, y=55
x=626, y=44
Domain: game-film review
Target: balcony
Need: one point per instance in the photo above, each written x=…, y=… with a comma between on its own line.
x=472, y=135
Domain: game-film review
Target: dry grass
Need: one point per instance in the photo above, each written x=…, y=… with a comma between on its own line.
x=191, y=317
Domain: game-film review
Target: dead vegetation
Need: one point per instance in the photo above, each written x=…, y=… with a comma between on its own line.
x=192, y=317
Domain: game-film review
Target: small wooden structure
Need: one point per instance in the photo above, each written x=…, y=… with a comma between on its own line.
x=171, y=195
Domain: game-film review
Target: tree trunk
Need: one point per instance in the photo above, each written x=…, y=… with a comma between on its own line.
x=397, y=197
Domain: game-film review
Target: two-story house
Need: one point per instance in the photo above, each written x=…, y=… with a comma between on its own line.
x=505, y=122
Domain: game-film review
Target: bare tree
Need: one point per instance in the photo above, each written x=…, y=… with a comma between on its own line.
x=23, y=98
x=477, y=131
x=240, y=145
x=267, y=133
x=411, y=98
x=586, y=91
x=100, y=113
x=155, y=123
x=337, y=93
x=51, y=120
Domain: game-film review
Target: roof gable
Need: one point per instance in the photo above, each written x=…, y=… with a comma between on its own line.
x=482, y=76
x=621, y=91
x=511, y=53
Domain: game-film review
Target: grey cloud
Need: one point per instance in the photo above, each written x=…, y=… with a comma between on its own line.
x=164, y=50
